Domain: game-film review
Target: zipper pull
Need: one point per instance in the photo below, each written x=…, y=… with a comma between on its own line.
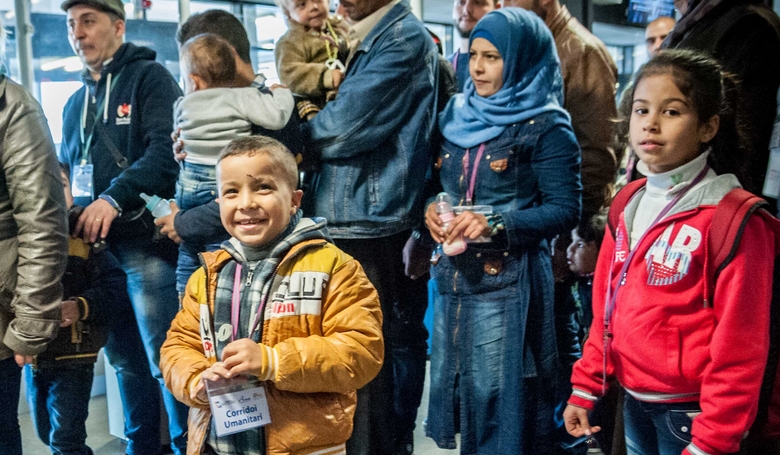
x=249, y=277
x=623, y=279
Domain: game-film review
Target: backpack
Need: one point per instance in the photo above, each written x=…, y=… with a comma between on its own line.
x=728, y=222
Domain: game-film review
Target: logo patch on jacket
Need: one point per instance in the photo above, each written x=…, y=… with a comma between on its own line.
x=123, y=112
x=668, y=261
x=297, y=294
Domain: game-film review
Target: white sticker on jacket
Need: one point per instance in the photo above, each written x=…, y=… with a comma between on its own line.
x=668, y=261
x=297, y=294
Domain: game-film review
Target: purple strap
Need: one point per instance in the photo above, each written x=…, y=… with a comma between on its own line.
x=613, y=292
x=473, y=179
x=236, y=305
x=235, y=308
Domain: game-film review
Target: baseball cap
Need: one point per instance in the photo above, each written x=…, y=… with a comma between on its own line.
x=109, y=6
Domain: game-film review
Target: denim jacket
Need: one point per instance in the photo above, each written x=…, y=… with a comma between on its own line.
x=373, y=139
x=530, y=175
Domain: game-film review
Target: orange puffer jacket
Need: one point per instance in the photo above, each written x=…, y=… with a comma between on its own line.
x=326, y=351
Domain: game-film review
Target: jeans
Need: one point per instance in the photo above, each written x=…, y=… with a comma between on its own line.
x=196, y=186
x=387, y=406
x=658, y=428
x=10, y=381
x=58, y=398
x=150, y=269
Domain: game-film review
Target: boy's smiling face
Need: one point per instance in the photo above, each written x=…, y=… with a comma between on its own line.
x=255, y=202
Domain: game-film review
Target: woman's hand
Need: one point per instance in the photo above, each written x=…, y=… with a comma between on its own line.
x=434, y=224
x=469, y=224
x=575, y=419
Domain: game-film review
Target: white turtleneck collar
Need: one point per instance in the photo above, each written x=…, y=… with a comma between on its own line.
x=660, y=189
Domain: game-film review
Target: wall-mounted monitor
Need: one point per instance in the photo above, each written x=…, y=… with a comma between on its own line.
x=642, y=12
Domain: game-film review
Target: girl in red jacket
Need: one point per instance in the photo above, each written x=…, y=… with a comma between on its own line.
x=691, y=360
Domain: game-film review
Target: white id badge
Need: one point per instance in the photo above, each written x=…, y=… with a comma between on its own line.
x=482, y=210
x=237, y=404
x=81, y=183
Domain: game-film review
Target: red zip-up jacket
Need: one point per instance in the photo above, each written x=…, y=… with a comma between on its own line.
x=671, y=340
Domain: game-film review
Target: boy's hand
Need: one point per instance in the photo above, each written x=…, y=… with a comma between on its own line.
x=70, y=312
x=338, y=76
x=276, y=86
x=244, y=356
x=166, y=223
x=576, y=420
x=215, y=372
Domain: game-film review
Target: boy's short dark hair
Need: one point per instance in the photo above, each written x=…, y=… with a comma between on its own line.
x=65, y=167
x=591, y=227
x=281, y=157
x=220, y=23
x=211, y=58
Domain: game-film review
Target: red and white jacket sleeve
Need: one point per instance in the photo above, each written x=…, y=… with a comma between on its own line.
x=739, y=345
x=588, y=373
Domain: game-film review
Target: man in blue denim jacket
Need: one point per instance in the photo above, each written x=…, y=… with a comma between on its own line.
x=373, y=145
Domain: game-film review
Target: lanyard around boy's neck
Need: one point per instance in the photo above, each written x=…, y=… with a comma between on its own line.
x=235, y=307
x=473, y=178
x=86, y=140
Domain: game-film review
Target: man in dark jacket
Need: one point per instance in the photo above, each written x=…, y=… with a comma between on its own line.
x=116, y=139
x=373, y=145
x=744, y=37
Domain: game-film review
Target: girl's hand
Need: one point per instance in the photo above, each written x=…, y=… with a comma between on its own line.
x=575, y=419
x=471, y=225
x=434, y=223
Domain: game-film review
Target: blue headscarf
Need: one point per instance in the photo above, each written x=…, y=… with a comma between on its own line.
x=532, y=80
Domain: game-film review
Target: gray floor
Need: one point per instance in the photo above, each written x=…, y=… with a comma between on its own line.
x=102, y=443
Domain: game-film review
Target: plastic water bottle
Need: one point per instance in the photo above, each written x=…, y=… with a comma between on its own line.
x=158, y=206
x=593, y=447
x=447, y=214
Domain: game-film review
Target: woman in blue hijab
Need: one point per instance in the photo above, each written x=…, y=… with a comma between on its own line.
x=510, y=150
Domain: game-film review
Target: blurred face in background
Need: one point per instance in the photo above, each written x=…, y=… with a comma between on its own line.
x=656, y=32
x=466, y=14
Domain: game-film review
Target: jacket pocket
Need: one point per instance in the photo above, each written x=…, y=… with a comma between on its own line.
x=679, y=422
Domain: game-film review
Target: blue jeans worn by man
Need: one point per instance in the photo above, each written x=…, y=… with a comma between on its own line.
x=373, y=143
x=151, y=270
x=10, y=381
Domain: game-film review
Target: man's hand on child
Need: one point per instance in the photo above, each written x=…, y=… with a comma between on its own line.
x=95, y=221
x=178, y=146
x=70, y=312
x=575, y=419
x=244, y=356
x=166, y=223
